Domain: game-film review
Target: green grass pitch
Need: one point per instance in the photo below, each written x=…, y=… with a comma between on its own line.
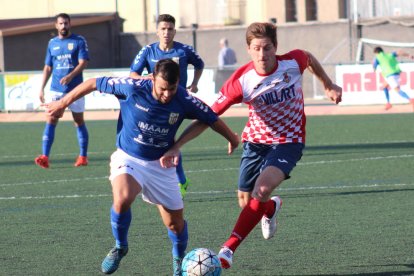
x=347, y=210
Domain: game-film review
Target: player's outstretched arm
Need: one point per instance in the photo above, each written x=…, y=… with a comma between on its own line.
x=221, y=127
x=332, y=91
x=197, y=75
x=171, y=157
x=57, y=108
x=47, y=72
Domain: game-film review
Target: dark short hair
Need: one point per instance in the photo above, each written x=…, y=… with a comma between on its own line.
x=167, y=69
x=165, y=18
x=62, y=15
x=378, y=50
x=261, y=30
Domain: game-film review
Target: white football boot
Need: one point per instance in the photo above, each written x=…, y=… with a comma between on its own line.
x=269, y=225
x=226, y=257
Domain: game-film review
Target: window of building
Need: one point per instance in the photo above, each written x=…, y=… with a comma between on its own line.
x=311, y=10
x=291, y=13
x=343, y=9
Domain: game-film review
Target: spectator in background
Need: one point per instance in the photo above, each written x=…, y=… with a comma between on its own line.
x=391, y=72
x=226, y=56
x=66, y=58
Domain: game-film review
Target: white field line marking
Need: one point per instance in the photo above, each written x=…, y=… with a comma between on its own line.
x=54, y=181
x=213, y=170
x=55, y=154
x=197, y=148
x=53, y=197
x=370, y=186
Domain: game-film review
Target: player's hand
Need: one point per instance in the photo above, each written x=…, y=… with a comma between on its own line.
x=233, y=144
x=334, y=93
x=192, y=88
x=42, y=96
x=170, y=158
x=65, y=80
x=147, y=77
x=54, y=109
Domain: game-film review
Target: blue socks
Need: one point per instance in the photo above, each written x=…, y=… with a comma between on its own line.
x=180, y=171
x=120, y=224
x=48, y=138
x=83, y=139
x=403, y=94
x=179, y=241
x=387, y=94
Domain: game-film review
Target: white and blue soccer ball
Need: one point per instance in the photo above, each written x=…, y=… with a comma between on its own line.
x=201, y=262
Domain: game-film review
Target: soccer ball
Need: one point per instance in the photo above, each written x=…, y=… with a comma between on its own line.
x=201, y=262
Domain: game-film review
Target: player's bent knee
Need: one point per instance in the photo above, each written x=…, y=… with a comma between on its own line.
x=262, y=193
x=176, y=227
x=122, y=203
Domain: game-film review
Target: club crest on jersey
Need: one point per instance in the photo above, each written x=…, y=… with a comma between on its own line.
x=173, y=118
x=70, y=46
x=286, y=77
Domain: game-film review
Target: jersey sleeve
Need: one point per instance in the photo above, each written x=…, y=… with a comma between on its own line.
x=231, y=93
x=194, y=58
x=140, y=62
x=83, y=49
x=197, y=109
x=120, y=87
x=301, y=58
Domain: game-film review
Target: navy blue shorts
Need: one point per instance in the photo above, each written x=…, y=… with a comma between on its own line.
x=256, y=157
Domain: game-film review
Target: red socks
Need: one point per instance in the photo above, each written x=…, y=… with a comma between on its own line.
x=249, y=217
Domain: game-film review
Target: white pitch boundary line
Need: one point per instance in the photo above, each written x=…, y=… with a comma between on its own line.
x=55, y=154
x=54, y=181
x=204, y=148
x=370, y=186
x=224, y=147
x=213, y=170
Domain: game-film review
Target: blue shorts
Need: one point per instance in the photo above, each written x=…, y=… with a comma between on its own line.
x=256, y=157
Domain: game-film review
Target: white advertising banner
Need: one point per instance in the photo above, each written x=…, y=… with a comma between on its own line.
x=21, y=90
x=362, y=86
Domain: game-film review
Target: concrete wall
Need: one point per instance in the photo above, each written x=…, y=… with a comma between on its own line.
x=329, y=42
x=332, y=43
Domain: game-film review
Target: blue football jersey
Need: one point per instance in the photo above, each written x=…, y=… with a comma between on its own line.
x=181, y=53
x=148, y=128
x=63, y=56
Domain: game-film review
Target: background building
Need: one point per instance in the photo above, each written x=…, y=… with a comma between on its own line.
x=117, y=29
x=140, y=15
